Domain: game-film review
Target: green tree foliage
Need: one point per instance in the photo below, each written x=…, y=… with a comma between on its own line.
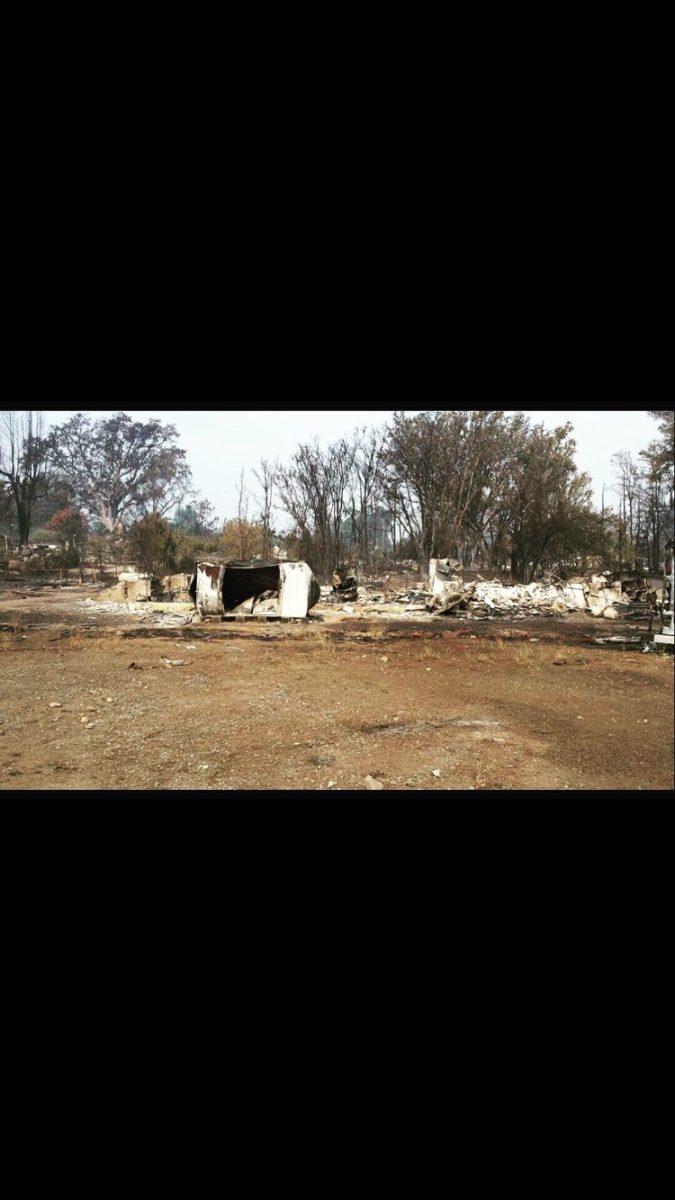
x=71, y=529
x=472, y=484
x=547, y=503
x=446, y=475
x=198, y=517
x=196, y=535
x=107, y=552
x=151, y=544
x=661, y=452
x=192, y=548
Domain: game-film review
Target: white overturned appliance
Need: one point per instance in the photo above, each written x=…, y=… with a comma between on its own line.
x=441, y=571
x=283, y=589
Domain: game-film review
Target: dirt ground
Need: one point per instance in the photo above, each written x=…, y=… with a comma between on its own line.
x=533, y=704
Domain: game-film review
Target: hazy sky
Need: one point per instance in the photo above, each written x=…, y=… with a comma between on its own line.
x=219, y=444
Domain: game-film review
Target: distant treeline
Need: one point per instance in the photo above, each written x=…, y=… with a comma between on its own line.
x=482, y=486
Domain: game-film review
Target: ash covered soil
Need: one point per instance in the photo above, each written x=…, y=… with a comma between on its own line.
x=436, y=704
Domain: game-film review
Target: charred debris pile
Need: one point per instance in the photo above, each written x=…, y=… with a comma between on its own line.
x=282, y=590
x=449, y=594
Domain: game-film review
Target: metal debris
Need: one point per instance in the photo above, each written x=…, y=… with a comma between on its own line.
x=344, y=584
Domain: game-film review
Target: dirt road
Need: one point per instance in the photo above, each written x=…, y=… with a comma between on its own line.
x=321, y=705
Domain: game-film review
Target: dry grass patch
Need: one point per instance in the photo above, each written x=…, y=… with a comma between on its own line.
x=524, y=656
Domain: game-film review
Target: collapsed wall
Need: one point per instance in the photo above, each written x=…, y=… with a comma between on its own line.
x=131, y=587
x=176, y=587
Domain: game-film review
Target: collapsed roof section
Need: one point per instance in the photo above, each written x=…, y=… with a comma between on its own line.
x=284, y=589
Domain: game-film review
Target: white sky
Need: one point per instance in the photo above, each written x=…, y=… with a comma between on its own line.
x=219, y=444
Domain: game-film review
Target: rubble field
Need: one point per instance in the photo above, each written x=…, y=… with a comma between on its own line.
x=99, y=694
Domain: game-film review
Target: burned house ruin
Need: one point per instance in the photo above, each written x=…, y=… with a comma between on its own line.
x=255, y=588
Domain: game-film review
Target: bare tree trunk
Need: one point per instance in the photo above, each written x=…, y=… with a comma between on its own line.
x=242, y=513
x=23, y=519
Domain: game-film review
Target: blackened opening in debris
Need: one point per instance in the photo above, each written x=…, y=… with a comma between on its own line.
x=242, y=580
